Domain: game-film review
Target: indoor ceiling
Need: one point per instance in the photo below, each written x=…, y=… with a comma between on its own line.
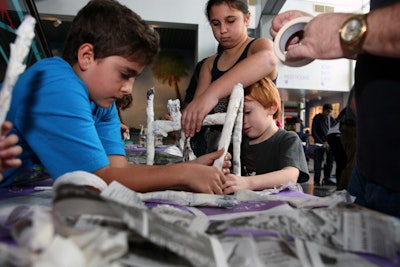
x=178, y=37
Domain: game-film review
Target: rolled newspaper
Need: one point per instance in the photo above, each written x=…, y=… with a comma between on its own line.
x=19, y=50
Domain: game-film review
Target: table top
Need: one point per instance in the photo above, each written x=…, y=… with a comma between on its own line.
x=240, y=214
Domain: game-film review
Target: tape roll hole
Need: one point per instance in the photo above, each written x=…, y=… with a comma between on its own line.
x=293, y=39
x=291, y=34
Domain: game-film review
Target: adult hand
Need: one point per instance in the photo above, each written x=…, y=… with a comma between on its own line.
x=194, y=114
x=283, y=18
x=208, y=159
x=8, y=149
x=320, y=38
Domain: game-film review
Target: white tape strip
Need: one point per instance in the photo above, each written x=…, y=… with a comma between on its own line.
x=285, y=33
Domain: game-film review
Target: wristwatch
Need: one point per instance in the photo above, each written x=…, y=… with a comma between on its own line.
x=353, y=32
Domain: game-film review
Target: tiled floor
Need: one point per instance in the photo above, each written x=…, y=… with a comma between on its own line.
x=320, y=191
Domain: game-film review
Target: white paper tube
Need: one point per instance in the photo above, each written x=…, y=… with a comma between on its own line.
x=150, y=134
x=232, y=112
x=284, y=35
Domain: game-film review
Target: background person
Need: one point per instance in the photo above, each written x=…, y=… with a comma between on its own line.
x=321, y=124
x=336, y=147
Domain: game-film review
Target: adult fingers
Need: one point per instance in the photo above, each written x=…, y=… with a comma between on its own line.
x=282, y=18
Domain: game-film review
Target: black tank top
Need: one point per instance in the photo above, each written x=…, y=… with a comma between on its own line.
x=216, y=73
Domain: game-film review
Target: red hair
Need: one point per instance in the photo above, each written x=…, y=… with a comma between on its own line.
x=266, y=93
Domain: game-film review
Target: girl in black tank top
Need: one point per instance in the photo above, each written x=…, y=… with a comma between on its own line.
x=216, y=73
x=229, y=20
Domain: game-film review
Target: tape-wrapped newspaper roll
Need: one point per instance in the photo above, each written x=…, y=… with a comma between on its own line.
x=288, y=30
x=80, y=178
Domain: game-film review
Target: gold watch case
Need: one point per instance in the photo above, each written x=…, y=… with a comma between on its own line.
x=353, y=32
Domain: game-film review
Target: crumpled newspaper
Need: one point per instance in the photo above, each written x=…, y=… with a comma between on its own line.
x=298, y=202
x=39, y=243
x=81, y=178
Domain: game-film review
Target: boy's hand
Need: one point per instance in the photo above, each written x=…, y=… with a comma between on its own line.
x=234, y=183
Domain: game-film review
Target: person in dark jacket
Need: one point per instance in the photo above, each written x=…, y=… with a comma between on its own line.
x=320, y=127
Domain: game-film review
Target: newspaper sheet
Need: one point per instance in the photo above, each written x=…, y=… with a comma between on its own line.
x=197, y=248
x=120, y=227
x=340, y=228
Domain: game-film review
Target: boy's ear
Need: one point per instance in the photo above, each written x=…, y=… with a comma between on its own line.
x=85, y=55
x=273, y=108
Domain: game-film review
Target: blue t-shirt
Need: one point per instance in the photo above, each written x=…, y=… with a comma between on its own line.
x=60, y=129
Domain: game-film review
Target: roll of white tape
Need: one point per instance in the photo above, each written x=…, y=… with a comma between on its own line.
x=285, y=33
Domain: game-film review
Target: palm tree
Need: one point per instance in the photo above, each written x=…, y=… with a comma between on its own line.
x=169, y=67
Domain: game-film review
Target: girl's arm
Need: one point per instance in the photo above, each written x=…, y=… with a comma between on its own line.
x=260, y=62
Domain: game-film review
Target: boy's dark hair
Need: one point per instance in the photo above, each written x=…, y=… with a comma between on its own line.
x=113, y=30
x=240, y=5
x=327, y=106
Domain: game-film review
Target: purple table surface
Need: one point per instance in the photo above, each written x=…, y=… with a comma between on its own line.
x=23, y=190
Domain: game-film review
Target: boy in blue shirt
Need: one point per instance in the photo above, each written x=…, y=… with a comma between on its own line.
x=64, y=112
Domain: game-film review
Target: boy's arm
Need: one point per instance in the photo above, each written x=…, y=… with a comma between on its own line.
x=145, y=178
x=197, y=176
x=261, y=181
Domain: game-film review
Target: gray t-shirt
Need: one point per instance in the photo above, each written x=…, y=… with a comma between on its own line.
x=281, y=150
